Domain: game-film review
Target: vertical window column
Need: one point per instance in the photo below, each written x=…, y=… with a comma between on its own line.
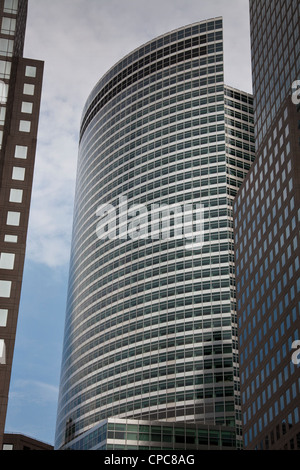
x=16, y=179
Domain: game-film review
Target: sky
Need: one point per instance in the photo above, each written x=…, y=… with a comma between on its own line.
x=79, y=40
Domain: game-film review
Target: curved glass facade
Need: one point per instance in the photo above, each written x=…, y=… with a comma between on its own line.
x=150, y=327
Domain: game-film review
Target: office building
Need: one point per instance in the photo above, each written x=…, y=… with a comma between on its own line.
x=151, y=332
x=14, y=441
x=266, y=215
x=135, y=434
x=20, y=92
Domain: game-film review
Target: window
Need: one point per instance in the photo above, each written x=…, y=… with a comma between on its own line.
x=28, y=89
x=26, y=107
x=7, y=447
x=3, y=92
x=18, y=173
x=11, y=6
x=13, y=218
x=30, y=71
x=5, y=68
x=5, y=288
x=6, y=47
x=7, y=261
x=2, y=115
x=21, y=152
x=25, y=126
x=2, y=352
x=11, y=239
x=16, y=195
x=8, y=26
x=3, y=317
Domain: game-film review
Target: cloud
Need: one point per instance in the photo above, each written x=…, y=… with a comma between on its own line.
x=34, y=391
x=79, y=40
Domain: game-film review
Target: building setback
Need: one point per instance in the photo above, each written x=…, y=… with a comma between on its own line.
x=151, y=328
x=20, y=92
x=266, y=215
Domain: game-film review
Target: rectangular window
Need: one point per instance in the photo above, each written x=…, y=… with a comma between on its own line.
x=7, y=261
x=18, y=173
x=11, y=239
x=26, y=107
x=13, y=218
x=11, y=6
x=28, y=89
x=8, y=25
x=30, y=71
x=3, y=317
x=6, y=47
x=3, y=92
x=24, y=126
x=5, y=288
x=21, y=152
x=8, y=447
x=16, y=195
x=5, y=68
x=2, y=115
x=2, y=352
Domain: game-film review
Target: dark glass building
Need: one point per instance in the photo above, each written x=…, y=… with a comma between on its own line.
x=266, y=221
x=135, y=434
x=20, y=92
x=151, y=330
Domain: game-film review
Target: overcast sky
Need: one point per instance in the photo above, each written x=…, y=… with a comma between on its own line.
x=79, y=40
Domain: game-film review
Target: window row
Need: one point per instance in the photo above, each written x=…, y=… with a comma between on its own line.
x=120, y=160
x=197, y=29
x=125, y=113
x=153, y=111
x=221, y=378
x=185, y=56
x=122, y=312
x=125, y=99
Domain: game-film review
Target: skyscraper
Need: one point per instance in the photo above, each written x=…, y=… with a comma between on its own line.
x=20, y=90
x=150, y=332
x=266, y=215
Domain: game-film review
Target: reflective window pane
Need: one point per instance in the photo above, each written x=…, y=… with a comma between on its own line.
x=3, y=317
x=11, y=239
x=21, y=152
x=2, y=352
x=5, y=288
x=18, y=173
x=27, y=107
x=25, y=126
x=13, y=218
x=28, y=89
x=16, y=195
x=30, y=71
x=7, y=260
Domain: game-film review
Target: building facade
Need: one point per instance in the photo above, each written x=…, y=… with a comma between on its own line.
x=150, y=330
x=21, y=442
x=135, y=434
x=20, y=90
x=266, y=215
